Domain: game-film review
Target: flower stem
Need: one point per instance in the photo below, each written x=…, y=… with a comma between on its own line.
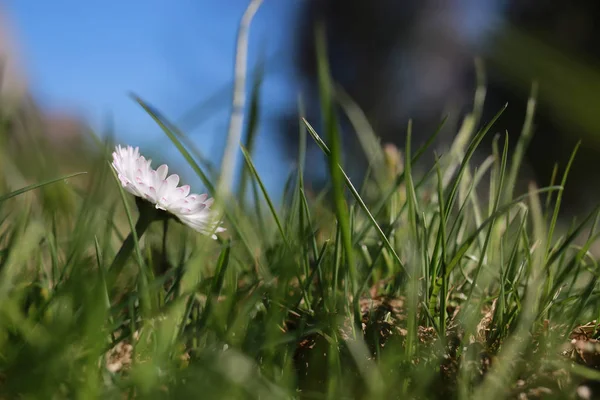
x=147, y=216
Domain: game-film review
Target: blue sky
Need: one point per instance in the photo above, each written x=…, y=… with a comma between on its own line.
x=85, y=56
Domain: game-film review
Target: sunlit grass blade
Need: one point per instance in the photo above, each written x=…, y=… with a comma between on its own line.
x=217, y=286
x=460, y=252
x=503, y=371
x=254, y=173
x=439, y=278
x=167, y=128
x=37, y=186
x=469, y=153
x=203, y=109
x=368, y=139
x=306, y=212
x=334, y=158
x=357, y=197
x=522, y=144
x=494, y=209
x=415, y=236
x=252, y=125
x=386, y=197
x=559, y=196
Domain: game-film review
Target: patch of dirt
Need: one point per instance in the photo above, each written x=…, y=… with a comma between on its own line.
x=119, y=358
x=384, y=319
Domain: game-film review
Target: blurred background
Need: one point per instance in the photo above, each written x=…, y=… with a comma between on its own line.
x=69, y=65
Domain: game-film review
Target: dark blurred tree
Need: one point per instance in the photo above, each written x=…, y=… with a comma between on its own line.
x=414, y=59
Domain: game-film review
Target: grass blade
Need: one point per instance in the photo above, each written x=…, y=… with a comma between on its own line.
x=37, y=186
x=335, y=156
x=357, y=197
x=253, y=171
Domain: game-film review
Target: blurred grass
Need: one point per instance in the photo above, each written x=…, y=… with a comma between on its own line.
x=568, y=84
x=444, y=283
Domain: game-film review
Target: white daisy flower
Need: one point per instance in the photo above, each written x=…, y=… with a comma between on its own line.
x=138, y=178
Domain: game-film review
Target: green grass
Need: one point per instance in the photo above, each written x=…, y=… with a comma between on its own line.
x=435, y=283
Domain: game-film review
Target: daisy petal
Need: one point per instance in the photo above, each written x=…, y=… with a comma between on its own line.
x=162, y=172
x=137, y=177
